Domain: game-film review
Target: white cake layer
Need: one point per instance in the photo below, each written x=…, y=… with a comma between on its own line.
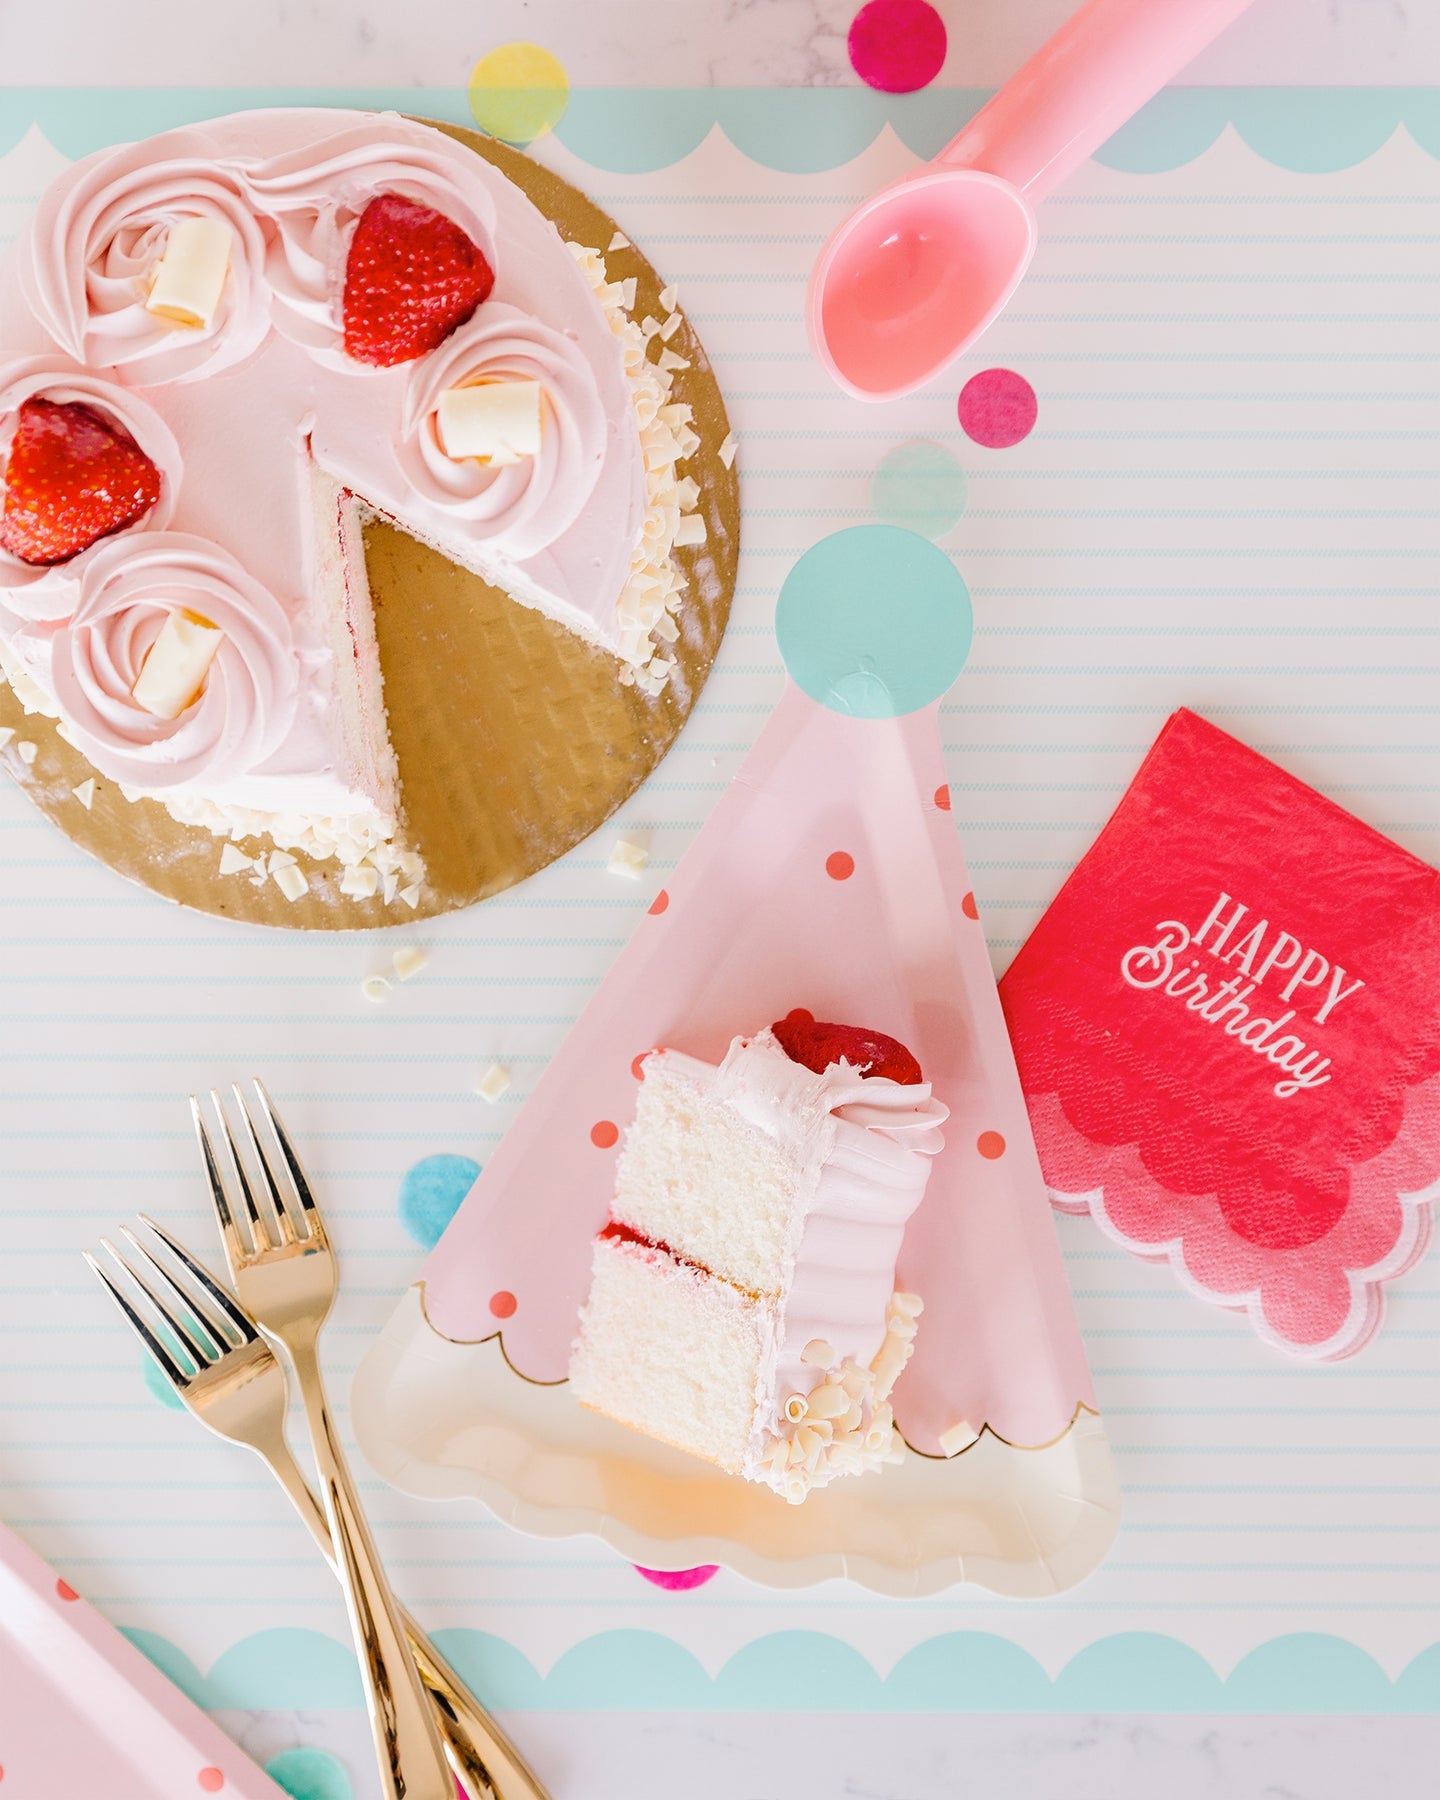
x=671, y=1352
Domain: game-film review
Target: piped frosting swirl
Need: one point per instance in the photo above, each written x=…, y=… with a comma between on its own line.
x=250, y=694
x=311, y=199
x=92, y=247
x=528, y=504
x=38, y=592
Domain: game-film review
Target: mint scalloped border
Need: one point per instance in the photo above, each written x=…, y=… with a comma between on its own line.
x=1309, y=130
x=806, y=1671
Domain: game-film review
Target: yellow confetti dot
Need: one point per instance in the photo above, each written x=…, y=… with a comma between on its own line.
x=518, y=92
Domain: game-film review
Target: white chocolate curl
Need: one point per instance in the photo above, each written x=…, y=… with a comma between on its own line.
x=314, y=196
x=523, y=507
x=129, y=590
x=90, y=254
x=36, y=593
x=189, y=278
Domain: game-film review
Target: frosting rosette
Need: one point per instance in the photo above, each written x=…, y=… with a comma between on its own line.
x=47, y=592
x=525, y=505
x=90, y=253
x=247, y=704
x=311, y=200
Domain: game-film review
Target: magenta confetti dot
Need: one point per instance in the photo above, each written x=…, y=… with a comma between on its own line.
x=897, y=45
x=680, y=1581
x=998, y=408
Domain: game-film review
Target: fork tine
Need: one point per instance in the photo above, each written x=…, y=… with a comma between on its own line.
x=292, y=1162
x=173, y=1373
x=236, y=1253
x=174, y=1320
x=272, y=1186
x=259, y=1230
x=239, y=1320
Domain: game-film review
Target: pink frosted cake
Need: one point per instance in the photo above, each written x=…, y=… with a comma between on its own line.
x=220, y=350
x=742, y=1304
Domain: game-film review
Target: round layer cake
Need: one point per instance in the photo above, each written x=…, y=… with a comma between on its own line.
x=223, y=352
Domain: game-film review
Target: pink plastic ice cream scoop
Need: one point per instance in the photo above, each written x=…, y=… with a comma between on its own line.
x=916, y=274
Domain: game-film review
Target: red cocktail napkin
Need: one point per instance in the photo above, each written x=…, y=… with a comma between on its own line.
x=1228, y=1032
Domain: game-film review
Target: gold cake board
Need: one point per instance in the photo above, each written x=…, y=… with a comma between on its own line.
x=515, y=739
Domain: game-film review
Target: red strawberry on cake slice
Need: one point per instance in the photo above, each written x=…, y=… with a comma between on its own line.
x=411, y=277
x=71, y=479
x=742, y=1304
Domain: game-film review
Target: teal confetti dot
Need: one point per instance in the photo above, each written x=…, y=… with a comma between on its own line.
x=158, y=1383
x=919, y=487
x=310, y=1775
x=431, y=1193
x=874, y=622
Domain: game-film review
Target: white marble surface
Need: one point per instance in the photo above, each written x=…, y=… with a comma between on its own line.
x=747, y=42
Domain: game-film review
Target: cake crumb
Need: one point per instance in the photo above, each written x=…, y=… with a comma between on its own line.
x=960, y=1436
x=627, y=859
x=85, y=794
x=727, y=450
x=375, y=988
x=408, y=962
x=290, y=880
x=232, y=861
x=411, y=895
x=618, y=242
x=27, y=751
x=493, y=1083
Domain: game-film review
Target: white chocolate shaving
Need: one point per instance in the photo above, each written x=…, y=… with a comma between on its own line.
x=232, y=861
x=627, y=859
x=85, y=794
x=957, y=1437
x=189, y=278
x=375, y=988
x=26, y=751
x=291, y=881
x=408, y=961
x=493, y=1083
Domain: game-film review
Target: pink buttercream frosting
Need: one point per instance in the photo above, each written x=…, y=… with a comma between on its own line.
x=39, y=593
x=248, y=701
x=531, y=502
x=311, y=199
x=88, y=255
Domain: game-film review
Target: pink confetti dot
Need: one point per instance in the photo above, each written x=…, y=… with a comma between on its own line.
x=840, y=865
x=897, y=45
x=969, y=908
x=65, y=1591
x=942, y=796
x=998, y=408
x=503, y=1304
x=603, y=1135
x=660, y=902
x=991, y=1145
x=211, y=1780
x=679, y=1581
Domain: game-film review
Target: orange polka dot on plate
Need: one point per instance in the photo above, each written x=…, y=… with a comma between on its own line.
x=603, y=1135
x=503, y=1304
x=942, y=796
x=660, y=902
x=211, y=1780
x=840, y=865
x=969, y=908
x=65, y=1591
x=990, y=1144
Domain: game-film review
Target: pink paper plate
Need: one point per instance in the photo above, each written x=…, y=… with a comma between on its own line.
x=829, y=877
x=83, y=1713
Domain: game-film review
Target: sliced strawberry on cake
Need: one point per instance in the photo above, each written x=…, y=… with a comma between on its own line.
x=742, y=1304
x=72, y=478
x=411, y=277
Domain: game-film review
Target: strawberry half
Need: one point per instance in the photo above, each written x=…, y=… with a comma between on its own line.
x=72, y=478
x=411, y=277
x=808, y=1040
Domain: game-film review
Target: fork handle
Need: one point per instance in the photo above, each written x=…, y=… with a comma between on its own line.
x=407, y=1743
x=487, y=1763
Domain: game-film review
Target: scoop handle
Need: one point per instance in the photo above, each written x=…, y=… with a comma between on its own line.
x=1098, y=70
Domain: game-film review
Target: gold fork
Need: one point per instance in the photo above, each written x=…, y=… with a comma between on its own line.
x=284, y=1273
x=230, y=1379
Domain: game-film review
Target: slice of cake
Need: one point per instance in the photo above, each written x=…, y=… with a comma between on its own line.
x=742, y=1304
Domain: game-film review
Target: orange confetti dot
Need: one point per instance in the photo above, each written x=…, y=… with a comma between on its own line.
x=660, y=902
x=990, y=1144
x=942, y=796
x=503, y=1304
x=65, y=1591
x=969, y=908
x=603, y=1135
x=840, y=865
x=211, y=1780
